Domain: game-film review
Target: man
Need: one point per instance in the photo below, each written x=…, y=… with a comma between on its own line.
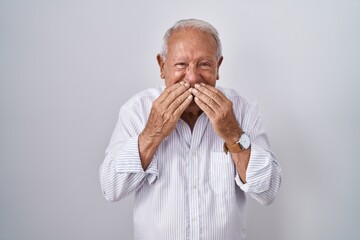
x=190, y=151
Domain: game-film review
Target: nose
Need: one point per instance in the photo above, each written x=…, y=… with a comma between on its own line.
x=192, y=75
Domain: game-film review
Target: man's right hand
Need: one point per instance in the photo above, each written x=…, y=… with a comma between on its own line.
x=164, y=115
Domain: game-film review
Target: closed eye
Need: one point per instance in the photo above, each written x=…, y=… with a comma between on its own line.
x=205, y=65
x=180, y=65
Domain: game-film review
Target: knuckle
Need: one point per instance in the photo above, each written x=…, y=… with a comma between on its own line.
x=155, y=109
x=178, y=101
x=173, y=95
x=179, y=110
x=166, y=116
x=162, y=111
x=214, y=95
x=156, y=104
x=167, y=91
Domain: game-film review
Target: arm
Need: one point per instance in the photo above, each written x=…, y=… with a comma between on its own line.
x=121, y=172
x=258, y=171
x=130, y=158
x=263, y=173
x=164, y=115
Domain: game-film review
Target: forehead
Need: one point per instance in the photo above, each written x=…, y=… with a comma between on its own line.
x=190, y=41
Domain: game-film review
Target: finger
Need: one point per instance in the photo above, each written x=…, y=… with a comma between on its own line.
x=172, y=94
x=212, y=92
x=207, y=110
x=168, y=91
x=180, y=109
x=206, y=100
x=178, y=101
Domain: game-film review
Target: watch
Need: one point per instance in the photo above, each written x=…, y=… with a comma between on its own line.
x=242, y=144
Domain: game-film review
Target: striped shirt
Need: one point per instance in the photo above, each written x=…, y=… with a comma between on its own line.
x=191, y=189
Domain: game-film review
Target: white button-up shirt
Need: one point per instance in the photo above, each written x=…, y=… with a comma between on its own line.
x=191, y=189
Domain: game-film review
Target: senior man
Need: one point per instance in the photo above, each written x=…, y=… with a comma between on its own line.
x=189, y=151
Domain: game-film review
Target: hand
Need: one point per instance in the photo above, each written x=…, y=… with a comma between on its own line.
x=220, y=111
x=167, y=109
x=164, y=115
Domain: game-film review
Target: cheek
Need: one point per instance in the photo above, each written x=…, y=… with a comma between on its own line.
x=173, y=77
x=209, y=78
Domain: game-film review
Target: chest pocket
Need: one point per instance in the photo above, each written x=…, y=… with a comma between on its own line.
x=222, y=174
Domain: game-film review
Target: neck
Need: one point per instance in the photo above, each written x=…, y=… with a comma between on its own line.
x=190, y=116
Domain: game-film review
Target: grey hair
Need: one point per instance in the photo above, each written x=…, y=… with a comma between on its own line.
x=194, y=24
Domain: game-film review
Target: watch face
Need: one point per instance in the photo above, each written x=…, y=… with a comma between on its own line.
x=245, y=141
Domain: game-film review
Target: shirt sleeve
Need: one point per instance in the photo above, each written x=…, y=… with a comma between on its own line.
x=263, y=174
x=121, y=172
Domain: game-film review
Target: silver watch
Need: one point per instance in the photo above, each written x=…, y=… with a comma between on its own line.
x=244, y=141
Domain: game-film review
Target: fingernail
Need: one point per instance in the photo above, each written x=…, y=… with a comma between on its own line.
x=197, y=85
x=182, y=82
x=190, y=97
x=202, y=84
x=187, y=84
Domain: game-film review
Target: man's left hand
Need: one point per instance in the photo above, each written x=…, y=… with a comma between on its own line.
x=220, y=111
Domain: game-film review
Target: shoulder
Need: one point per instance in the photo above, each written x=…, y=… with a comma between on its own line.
x=246, y=110
x=236, y=98
x=143, y=99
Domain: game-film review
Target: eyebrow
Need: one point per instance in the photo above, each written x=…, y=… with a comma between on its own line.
x=178, y=58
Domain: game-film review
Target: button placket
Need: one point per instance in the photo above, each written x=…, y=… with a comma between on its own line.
x=193, y=187
x=194, y=196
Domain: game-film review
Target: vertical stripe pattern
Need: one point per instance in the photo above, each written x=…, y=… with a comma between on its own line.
x=191, y=189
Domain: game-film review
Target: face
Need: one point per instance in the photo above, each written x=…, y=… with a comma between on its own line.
x=191, y=57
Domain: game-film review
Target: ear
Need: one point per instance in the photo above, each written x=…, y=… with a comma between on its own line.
x=218, y=66
x=161, y=65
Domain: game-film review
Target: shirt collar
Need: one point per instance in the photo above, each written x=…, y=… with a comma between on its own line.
x=193, y=139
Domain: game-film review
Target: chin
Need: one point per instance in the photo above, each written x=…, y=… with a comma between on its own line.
x=193, y=104
x=192, y=107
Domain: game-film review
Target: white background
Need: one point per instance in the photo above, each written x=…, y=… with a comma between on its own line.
x=66, y=67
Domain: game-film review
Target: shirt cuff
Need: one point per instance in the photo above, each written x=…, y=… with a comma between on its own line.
x=258, y=173
x=243, y=186
x=127, y=160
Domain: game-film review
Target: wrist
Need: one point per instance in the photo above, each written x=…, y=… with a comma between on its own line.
x=231, y=140
x=243, y=143
x=147, y=148
x=150, y=136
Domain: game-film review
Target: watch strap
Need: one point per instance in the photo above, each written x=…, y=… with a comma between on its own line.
x=233, y=148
